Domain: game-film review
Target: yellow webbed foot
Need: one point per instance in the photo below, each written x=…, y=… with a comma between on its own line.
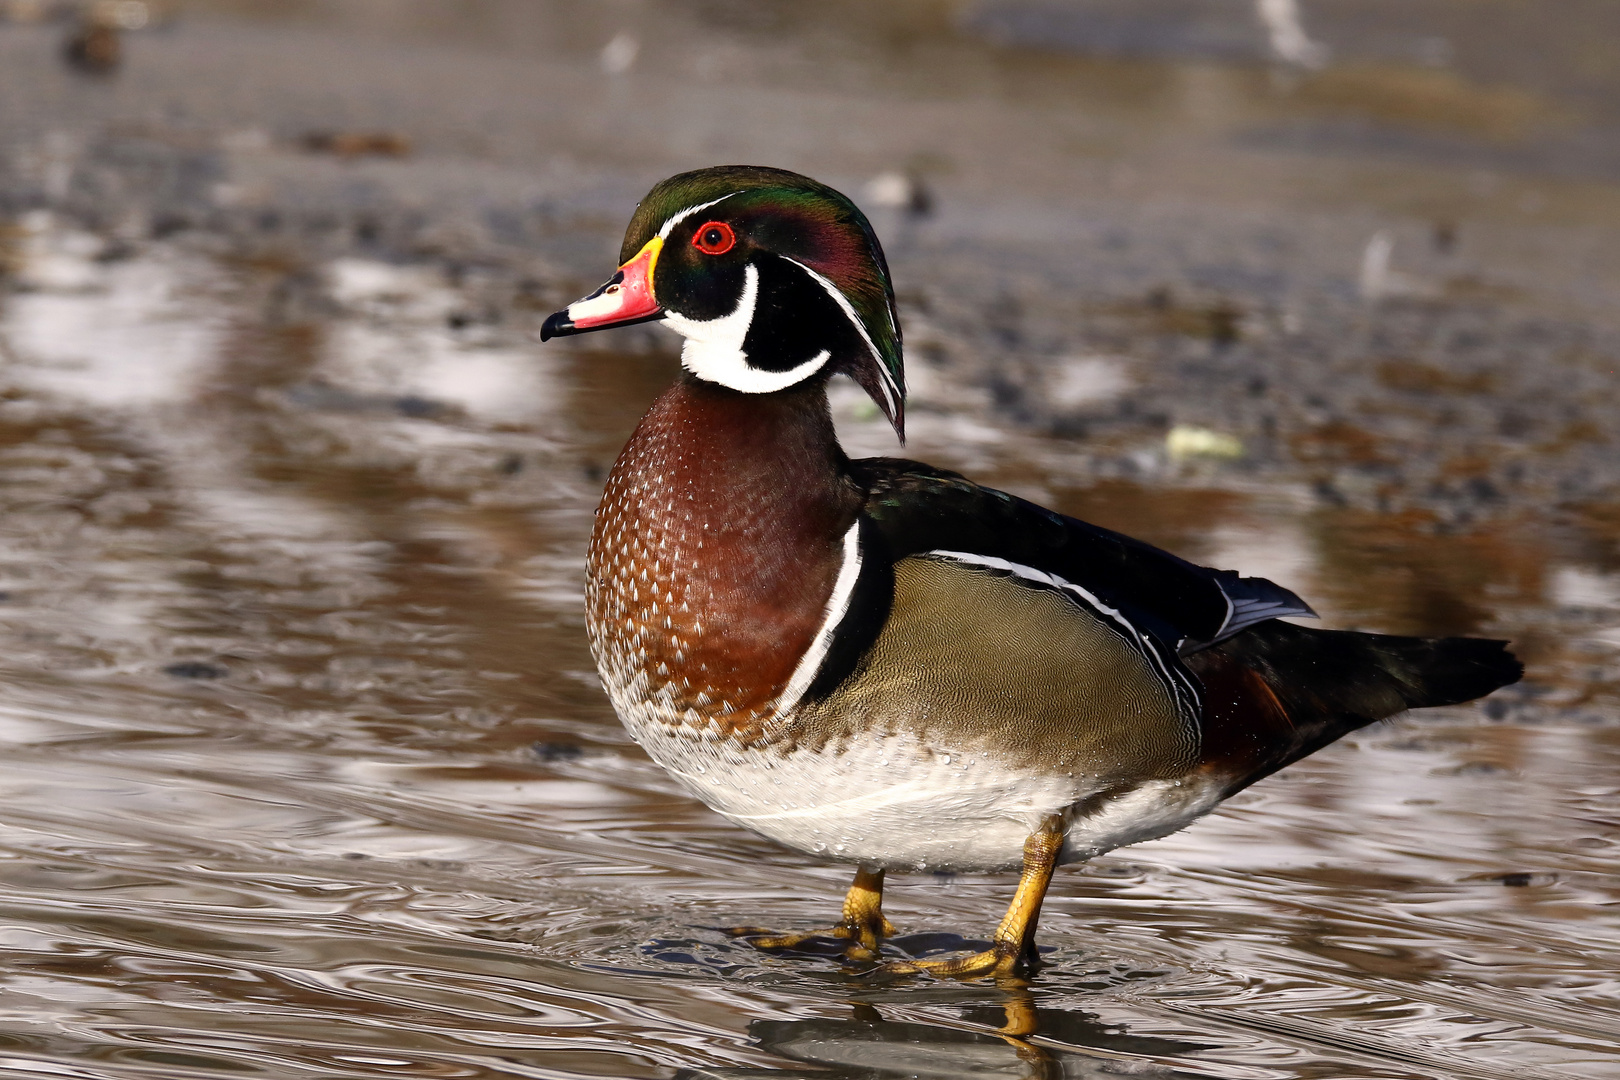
x=772, y=940
x=862, y=925
x=998, y=961
x=1014, y=942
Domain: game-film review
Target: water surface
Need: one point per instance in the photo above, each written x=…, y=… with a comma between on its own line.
x=307, y=771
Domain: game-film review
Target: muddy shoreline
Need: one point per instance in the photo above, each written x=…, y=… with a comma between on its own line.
x=1457, y=363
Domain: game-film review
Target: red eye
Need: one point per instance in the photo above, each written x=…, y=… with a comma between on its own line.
x=714, y=238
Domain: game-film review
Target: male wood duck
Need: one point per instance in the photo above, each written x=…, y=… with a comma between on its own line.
x=884, y=663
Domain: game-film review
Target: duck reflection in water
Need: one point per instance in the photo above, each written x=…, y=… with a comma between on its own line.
x=1010, y=1038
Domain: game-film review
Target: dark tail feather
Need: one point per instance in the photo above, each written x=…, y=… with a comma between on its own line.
x=1324, y=684
x=1449, y=671
x=1371, y=675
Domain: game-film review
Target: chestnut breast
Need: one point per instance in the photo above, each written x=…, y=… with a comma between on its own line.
x=715, y=549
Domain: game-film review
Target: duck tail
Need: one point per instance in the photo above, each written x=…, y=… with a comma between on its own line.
x=1299, y=688
x=1371, y=676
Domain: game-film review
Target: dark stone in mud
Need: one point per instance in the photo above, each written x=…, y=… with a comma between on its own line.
x=94, y=50
x=195, y=669
x=558, y=751
x=419, y=408
x=1520, y=879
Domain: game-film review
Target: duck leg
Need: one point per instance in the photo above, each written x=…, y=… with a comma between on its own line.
x=863, y=920
x=862, y=925
x=1014, y=941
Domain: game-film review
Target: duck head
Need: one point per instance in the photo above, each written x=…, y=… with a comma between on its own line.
x=771, y=277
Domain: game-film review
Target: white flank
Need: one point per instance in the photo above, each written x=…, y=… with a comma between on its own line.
x=891, y=389
x=1151, y=810
x=714, y=348
x=1186, y=694
x=891, y=800
x=883, y=800
x=837, y=607
x=676, y=219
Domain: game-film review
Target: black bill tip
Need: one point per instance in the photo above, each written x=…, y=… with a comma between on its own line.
x=557, y=325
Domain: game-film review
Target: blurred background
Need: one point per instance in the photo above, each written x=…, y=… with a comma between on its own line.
x=306, y=769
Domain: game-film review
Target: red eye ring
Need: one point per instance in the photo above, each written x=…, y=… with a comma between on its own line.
x=714, y=238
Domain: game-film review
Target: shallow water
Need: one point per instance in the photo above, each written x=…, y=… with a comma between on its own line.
x=306, y=769
x=307, y=772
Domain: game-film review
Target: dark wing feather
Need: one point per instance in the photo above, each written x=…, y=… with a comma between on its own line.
x=917, y=508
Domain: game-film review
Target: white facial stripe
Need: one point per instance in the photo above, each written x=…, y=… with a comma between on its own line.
x=1180, y=686
x=669, y=226
x=891, y=389
x=714, y=349
x=837, y=607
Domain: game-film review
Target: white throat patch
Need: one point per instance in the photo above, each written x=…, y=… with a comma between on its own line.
x=714, y=348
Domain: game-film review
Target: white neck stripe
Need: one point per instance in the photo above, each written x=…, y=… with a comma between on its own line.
x=837, y=607
x=732, y=370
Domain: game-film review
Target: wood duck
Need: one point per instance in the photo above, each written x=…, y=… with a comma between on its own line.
x=883, y=663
